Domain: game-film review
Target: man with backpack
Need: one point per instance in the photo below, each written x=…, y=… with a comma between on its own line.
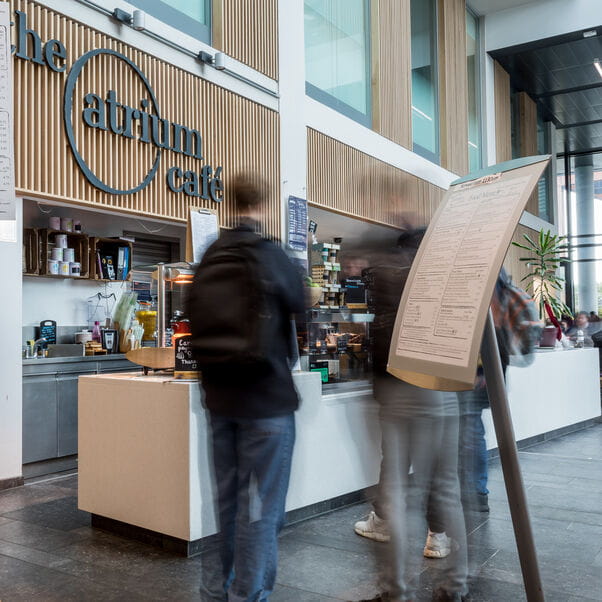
x=244, y=293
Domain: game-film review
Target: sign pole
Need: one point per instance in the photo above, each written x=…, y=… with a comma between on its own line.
x=498, y=399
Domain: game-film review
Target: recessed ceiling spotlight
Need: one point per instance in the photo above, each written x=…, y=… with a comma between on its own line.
x=590, y=33
x=598, y=66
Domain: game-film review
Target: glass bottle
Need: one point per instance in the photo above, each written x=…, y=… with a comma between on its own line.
x=96, y=332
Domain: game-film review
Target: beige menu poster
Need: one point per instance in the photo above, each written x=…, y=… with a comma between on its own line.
x=8, y=223
x=444, y=305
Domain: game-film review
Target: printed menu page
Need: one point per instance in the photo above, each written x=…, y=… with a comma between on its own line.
x=449, y=284
x=444, y=305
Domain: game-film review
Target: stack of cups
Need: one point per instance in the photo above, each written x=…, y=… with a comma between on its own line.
x=60, y=255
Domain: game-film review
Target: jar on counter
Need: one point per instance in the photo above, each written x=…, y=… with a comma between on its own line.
x=148, y=320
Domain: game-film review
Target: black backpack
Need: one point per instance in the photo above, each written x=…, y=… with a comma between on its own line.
x=234, y=313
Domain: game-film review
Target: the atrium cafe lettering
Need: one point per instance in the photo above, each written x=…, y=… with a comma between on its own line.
x=106, y=113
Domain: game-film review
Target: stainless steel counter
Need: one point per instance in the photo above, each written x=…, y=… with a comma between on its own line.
x=50, y=394
x=78, y=358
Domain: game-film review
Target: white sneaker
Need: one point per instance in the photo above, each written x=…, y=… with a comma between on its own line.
x=373, y=528
x=438, y=545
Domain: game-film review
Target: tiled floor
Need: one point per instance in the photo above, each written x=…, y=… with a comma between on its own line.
x=48, y=551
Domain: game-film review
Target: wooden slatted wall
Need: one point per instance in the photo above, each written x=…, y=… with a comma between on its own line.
x=528, y=140
x=343, y=179
x=453, y=86
x=392, y=58
x=503, y=120
x=237, y=133
x=247, y=30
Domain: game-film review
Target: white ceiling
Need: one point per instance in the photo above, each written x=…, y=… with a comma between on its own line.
x=485, y=7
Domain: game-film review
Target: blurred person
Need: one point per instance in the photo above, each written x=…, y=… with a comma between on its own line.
x=419, y=430
x=582, y=324
x=244, y=293
x=593, y=317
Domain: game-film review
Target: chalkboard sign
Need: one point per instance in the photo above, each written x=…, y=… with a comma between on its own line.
x=48, y=331
x=185, y=366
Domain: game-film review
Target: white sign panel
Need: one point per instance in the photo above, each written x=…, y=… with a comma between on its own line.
x=8, y=223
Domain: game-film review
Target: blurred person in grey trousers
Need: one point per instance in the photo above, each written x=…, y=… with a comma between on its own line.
x=244, y=293
x=420, y=435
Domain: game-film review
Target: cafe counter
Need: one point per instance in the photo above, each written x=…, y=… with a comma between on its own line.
x=144, y=461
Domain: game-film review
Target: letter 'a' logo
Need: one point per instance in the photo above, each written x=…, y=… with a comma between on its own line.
x=123, y=128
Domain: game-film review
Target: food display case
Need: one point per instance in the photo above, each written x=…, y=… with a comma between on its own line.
x=336, y=343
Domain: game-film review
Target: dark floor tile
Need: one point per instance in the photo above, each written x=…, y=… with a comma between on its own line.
x=21, y=497
x=116, y=553
x=27, y=582
x=32, y=556
x=36, y=536
x=154, y=585
x=327, y=571
x=61, y=514
x=69, y=482
x=559, y=574
x=283, y=593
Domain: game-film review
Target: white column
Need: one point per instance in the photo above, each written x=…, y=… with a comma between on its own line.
x=587, y=294
x=10, y=353
x=293, y=133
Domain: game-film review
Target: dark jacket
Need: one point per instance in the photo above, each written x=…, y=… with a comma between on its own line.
x=247, y=391
x=386, y=280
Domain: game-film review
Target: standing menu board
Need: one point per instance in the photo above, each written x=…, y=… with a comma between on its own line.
x=444, y=305
x=8, y=217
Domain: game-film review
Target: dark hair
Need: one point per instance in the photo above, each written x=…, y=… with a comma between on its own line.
x=250, y=191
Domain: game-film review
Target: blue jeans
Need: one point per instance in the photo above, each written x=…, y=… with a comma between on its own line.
x=252, y=463
x=473, y=448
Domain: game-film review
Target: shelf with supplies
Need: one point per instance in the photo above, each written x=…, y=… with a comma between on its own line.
x=57, y=250
x=55, y=254
x=110, y=259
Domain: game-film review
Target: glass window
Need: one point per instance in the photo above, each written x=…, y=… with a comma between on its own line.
x=337, y=55
x=544, y=186
x=474, y=113
x=425, y=102
x=515, y=122
x=192, y=17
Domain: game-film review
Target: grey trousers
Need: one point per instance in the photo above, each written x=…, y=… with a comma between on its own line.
x=420, y=431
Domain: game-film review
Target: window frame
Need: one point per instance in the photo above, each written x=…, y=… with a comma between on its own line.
x=174, y=18
x=433, y=157
x=340, y=106
x=479, y=88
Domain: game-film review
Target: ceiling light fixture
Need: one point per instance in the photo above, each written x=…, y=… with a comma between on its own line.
x=590, y=33
x=598, y=66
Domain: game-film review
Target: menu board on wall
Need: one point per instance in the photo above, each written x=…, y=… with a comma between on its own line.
x=202, y=231
x=8, y=217
x=444, y=305
x=297, y=224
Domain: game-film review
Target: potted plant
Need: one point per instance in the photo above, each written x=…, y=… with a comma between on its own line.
x=543, y=282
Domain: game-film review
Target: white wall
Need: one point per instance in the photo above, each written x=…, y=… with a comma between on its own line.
x=10, y=354
x=66, y=301
x=293, y=133
x=539, y=21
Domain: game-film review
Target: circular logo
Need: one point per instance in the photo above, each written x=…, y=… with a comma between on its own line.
x=75, y=72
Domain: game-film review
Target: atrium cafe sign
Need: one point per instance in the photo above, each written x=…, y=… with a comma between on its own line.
x=107, y=114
